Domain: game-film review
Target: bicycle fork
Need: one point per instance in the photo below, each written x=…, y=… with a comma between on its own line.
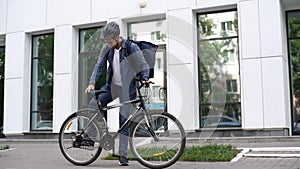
x=150, y=127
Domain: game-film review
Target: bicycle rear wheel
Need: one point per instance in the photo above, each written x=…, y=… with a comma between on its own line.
x=160, y=153
x=79, y=139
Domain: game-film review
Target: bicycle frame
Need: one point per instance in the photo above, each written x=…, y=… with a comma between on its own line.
x=128, y=122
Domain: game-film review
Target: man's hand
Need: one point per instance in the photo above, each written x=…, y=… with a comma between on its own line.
x=89, y=88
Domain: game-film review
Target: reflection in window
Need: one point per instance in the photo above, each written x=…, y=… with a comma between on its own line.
x=90, y=45
x=155, y=91
x=42, y=82
x=154, y=31
x=231, y=86
x=226, y=26
x=2, y=64
x=293, y=19
x=219, y=72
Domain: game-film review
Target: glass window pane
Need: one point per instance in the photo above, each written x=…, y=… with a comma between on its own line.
x=230, y=116
x=42, y=82
x=90, y=46
x=43, y=46
x=295, y=61
x=2, y=60
x=214, y=62
x=219, y=70
x=41, y=121
x=90, y=40
x=154, y=31
x=217, y=25
x=87, y=64
x=294, y=24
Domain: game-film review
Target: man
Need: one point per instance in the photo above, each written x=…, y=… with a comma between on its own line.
x=120, y=76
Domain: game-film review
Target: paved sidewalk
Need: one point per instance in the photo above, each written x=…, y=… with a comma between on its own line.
x=35, y=154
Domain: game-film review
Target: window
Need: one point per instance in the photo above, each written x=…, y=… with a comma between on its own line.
x=229, y=56
x=293, y=25
x=2, y=64
x=226, y=26
x=155, y=36
x=155, y=91
x=219, y=72
x=90, y=45
x=231, y=86
x=42, y=82
x=153, y=31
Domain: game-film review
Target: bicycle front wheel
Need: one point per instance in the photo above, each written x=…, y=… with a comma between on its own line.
x=79, y=139
x=161, y=152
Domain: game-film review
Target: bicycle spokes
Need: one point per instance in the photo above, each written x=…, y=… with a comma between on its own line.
x=165, y=147
x=80, y=140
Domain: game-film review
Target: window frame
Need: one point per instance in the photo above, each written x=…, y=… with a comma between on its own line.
x=81, y=56
x=31, y=80
x=288, y=40
x=227, y=103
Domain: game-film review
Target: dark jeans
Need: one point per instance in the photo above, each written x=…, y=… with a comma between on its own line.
x=105, y=98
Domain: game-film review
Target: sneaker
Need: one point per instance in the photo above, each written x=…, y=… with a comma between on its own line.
x=123, y=161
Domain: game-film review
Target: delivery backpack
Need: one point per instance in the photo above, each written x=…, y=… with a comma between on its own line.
x=149, y=50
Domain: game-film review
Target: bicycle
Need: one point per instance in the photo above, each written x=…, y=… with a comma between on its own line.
x=157, y=139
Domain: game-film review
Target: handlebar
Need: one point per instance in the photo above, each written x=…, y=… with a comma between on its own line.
x=143, y=83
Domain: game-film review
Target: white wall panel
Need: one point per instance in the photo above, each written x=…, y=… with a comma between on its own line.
x=3, y=16
x=252, y=95
x=113, y=9
x=181, y=37
x=17, y=82
x=68, y=12
x=65, y=70
x=23, y=15
x=249, y=29
x=214, y=3
x=13, y=106
x=63, y=49
x=158, y=6
x=15, y=43
x=181, y=92
x=274, y=93
x=270, y=28
x=61, y=100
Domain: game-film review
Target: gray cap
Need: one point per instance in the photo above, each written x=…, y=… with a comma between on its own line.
x=110, y=31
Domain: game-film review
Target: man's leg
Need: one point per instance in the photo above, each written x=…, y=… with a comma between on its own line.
x=124, y=135
x=104, y=98
x=123, y=116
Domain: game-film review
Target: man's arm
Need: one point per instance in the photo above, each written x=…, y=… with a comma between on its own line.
x=100, y=65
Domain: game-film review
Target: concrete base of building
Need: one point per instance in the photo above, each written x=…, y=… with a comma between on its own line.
x=237, y=132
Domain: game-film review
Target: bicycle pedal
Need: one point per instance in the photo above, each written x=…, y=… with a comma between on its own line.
x=115, y=155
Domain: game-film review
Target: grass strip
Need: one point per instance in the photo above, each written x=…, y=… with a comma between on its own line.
x=206, y=153
x=4, y=147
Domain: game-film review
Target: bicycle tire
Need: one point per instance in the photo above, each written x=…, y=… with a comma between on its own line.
x=80, y=150
x=162, y=153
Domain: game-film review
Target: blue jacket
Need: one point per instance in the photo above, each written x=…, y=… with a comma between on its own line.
x=130, y=65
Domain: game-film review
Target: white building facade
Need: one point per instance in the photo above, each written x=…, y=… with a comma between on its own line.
x=225, y=59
